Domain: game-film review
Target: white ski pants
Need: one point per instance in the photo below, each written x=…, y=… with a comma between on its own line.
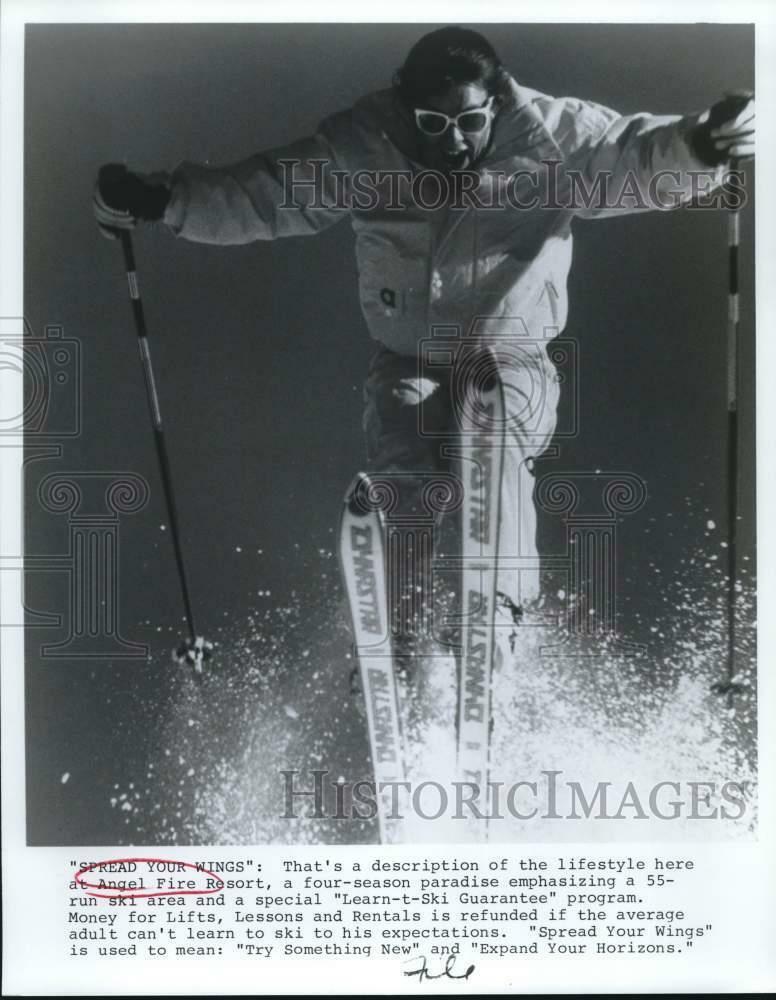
x=410, y=416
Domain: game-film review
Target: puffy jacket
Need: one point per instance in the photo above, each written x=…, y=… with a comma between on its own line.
x=495, y=269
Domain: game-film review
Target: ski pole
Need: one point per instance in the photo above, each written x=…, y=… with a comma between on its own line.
x=728, y=686
x=194, y=649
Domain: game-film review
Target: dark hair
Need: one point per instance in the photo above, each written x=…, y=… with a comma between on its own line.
x=444, y=58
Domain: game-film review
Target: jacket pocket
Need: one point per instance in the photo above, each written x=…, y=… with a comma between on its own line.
x=393, y=264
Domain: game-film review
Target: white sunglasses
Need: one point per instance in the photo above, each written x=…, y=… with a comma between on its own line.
x=470, y=122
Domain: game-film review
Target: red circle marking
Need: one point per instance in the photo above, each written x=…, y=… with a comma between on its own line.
x=130, y=893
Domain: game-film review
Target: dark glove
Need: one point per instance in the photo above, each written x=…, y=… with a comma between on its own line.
x=726, y=130
x=122, y=199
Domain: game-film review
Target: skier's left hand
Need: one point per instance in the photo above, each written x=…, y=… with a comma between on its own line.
x=726, y=131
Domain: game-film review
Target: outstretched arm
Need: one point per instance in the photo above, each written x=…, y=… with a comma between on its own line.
x=632, y=163
x=289, y=191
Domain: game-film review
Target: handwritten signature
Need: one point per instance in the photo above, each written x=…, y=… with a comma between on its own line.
x=447, y=972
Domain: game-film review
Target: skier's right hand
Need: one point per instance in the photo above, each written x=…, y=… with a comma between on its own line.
x=123, y=198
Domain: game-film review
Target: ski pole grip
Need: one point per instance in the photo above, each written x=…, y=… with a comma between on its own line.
x=129, y=263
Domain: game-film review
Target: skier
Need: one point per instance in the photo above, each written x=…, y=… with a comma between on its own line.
x=461, y=187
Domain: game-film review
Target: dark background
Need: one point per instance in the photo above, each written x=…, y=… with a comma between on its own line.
x=260, y=353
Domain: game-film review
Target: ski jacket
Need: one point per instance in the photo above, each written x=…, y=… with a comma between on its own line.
x=491, y=263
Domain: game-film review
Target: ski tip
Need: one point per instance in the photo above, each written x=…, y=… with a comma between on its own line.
x=372, y=494
x=357, y=498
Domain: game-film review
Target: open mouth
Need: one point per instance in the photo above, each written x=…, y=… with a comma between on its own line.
x=456, y=160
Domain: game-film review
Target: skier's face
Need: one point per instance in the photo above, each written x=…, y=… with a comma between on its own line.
x=459, y=144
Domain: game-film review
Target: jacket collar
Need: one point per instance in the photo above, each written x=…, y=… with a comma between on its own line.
x=518, y=128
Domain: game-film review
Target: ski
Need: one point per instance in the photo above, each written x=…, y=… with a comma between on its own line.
x=480, y=463
x=363, y=562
